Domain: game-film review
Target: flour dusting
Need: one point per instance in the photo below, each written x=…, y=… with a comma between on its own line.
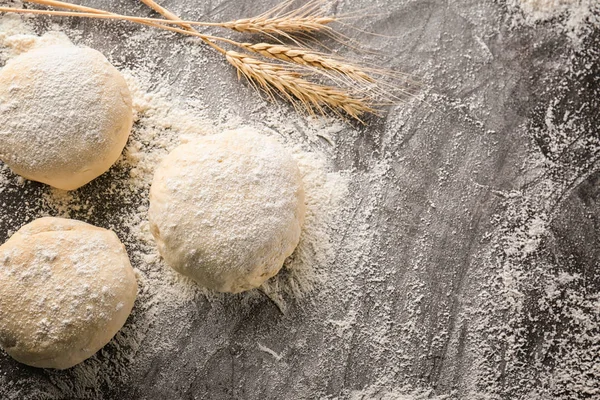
x=575, y=17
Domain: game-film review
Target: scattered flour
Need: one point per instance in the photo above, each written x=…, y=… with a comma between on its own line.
x=574, y=16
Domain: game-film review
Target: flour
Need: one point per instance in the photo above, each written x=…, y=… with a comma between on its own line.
x=541, y=10
x=548, y=324
x=400, y=393
x=575, y=17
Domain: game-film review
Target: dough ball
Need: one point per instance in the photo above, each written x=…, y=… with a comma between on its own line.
x=65, y=115
x=66, y=288
x=227, y=210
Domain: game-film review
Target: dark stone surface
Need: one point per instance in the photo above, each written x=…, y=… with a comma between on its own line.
x=431, y=307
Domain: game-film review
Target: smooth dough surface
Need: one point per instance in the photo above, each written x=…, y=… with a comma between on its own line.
x=66, y=288
x=65, y=115
x=226, y=210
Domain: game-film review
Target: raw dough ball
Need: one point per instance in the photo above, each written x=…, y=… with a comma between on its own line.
x=66, y=288
x=227, y=209
x=65, y=115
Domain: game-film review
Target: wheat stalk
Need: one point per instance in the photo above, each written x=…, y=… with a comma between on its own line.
x=186, y=26
x=86, y=11
x=292, y=22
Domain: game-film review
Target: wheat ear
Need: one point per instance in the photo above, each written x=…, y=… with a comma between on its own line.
x=370, y=78
x=277, y=26
x=292, y=85
x=306, y=19
x=304, y=56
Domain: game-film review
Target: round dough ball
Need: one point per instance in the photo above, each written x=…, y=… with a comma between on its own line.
x=65, y=115
x=66, y=288
x=227, y=209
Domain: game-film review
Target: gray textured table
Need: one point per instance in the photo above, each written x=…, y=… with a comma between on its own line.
x=480, y=278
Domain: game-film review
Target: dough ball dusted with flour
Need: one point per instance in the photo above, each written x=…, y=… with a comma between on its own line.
x=226, y=210
x=66, y=288
x=65, y=115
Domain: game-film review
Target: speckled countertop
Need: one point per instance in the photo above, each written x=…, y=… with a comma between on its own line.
x=479, y=211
